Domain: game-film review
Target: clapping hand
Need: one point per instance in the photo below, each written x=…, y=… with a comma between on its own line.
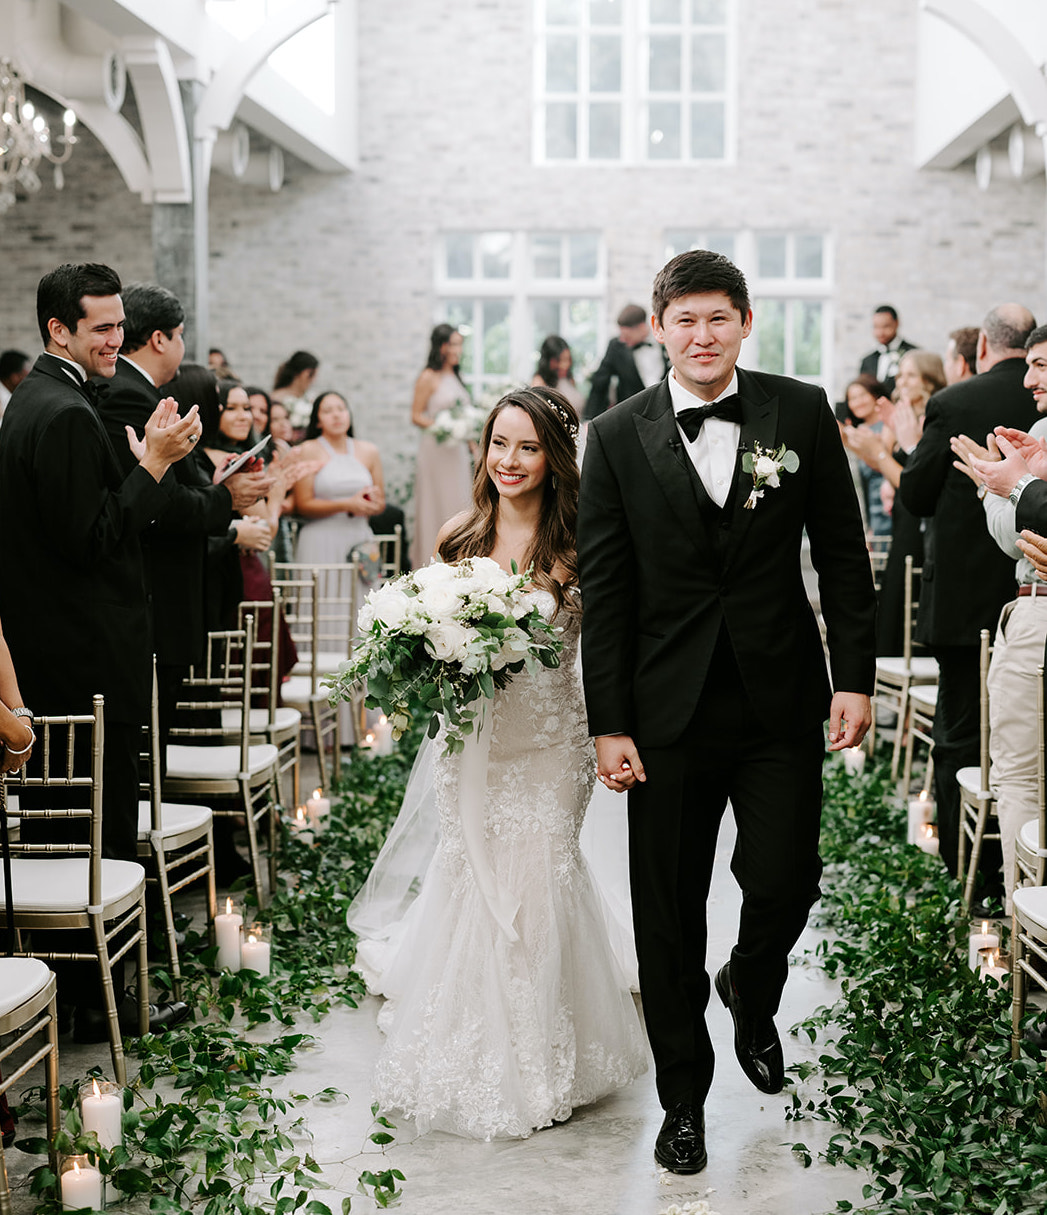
x=168, y=437
x=868, y=444
x=1035, y=548
x=1020, y=454
x=968, y=451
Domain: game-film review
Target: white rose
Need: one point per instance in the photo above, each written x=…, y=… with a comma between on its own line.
x=447, y=641
x=439, y=600
x=515, y=644
x=768, y=469
x=392, y=607
x=365, y=617
x=434, y=574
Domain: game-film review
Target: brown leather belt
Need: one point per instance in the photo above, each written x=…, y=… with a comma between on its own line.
x=1036, y=589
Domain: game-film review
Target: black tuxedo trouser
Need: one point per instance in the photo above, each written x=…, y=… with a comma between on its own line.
x=774, y=786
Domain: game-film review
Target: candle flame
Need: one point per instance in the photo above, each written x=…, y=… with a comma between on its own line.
x=299, y=814
x=251, y=939
x=924, y=795
x=76, y=1166
x=316, y=793
x=97, y=1090
x=369, y=739
x=228, y=906
x=985, y=927
x=383, y=720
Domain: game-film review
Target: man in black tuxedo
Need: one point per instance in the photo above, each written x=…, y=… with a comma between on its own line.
x=704, y=669
x=175, y=545
x=75, y=616
x=631, y=362
x=966, y=577
x=882, y=363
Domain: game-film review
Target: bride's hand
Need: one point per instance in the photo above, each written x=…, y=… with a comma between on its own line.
x=618, y=763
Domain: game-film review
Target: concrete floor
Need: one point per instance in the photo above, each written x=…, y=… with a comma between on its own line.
x=600, y=1161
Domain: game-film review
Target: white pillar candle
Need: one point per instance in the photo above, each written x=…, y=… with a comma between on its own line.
x=367, y=746
x=978, y=941
x=921, y=810
x=317, y=808
x=255, y=953
x=227, y=933
x=81, y=1185
x=928, y=840
x=300, y=825
x=101, y=1110
x=383, y=736
x=854, y=760
x=990, y=968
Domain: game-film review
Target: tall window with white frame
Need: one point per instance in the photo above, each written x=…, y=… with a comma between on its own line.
x=790, y=280
x=631, y=81
x=507, y=291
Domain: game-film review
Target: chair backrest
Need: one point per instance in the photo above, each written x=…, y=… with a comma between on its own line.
x=301, y=611
x=265, y=654
x=219, y=682
x=338, y=600
x=390, y=546
x=984, y=658
x=879, y=551
x=67, y=756
x=913, y=573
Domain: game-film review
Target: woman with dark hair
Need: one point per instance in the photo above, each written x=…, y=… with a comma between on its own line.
x=261, y=404
x=346, y=490
x=495, y=1031
x=292, y=381
x=443, y=473
x=860, y=409
x=554, y=370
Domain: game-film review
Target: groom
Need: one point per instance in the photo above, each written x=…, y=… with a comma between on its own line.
x=704, y=669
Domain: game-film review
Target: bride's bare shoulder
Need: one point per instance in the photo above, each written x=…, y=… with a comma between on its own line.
x=450, y=526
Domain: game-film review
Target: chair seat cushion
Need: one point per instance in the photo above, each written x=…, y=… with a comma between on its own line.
x=326, y=662
x=921, y=668
x=1031, y=901
x=925, y=695
x=298, y=690
x=20, y=980
x=216, y=763
x=258, y=722
x=970, y=781
x=1029, y=836
x=59, y=883
x=174, y=818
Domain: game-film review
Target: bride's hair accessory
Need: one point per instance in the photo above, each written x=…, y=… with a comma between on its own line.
x=565, y=414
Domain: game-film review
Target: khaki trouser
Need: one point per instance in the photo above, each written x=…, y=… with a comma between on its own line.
x=1018, y=651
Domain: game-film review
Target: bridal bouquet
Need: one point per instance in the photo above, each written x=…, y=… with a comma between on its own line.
x=438, y=639
x=462, y=422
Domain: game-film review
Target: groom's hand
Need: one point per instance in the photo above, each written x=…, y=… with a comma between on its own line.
x=850, y=717
x=618, y=764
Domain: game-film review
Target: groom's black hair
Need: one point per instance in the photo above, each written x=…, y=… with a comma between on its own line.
x=699, y=272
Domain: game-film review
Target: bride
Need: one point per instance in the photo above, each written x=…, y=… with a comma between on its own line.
x=499, y=1024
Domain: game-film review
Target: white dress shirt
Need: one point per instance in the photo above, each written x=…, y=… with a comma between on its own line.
x=714, y=451
x=650, y=365
x=890, y=357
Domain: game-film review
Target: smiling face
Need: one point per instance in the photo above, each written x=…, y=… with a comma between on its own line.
x=259, y=411
x=280, y=423
x=333, y=416
x=451, y=350
x=909, y=382
x=96, y=341
x=1036, y=375
x=515, y=461
x=860, y=401
x=702, y=334
x=235, y=419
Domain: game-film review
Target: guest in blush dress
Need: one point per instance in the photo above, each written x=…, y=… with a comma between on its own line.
x=443, y=476
x=555, y=370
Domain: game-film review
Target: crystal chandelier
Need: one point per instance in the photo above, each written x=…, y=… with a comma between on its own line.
x=25, y=138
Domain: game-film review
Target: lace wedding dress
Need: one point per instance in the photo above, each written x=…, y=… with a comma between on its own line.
x=498, y=1025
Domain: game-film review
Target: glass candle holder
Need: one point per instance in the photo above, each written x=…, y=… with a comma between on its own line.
x=101, y=1111
x=227, y=926
x=256, y=949
x=80, y=1184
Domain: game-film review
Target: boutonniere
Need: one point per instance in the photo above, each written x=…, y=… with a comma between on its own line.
x=765, y=467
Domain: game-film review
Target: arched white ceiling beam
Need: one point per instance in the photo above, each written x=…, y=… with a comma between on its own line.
x=160, y=111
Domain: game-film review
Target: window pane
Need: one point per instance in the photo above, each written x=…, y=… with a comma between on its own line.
x=561, y=130
x=807, y=337
x=770, y=255
x=605, y=12
x=709, y=12
x=580, y=334
x=545, y=255
x=605, y=130
x=663, y=127
x=561, y=64
x=708, y=63
x=707, y=131
x=721, y=242
x=665, y=12
x=584, y=253
x=809, y=256
x=664, y=63
x=605, y=64
x=459, y=248
x=680, y=242
x=496, y=337
x=561, y=12
x=545, y=319
x=769, y=331
x=495, y=254
x=459, y=313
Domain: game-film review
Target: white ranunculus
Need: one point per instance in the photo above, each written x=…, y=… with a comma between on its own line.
x=439, y=600
x=391, y=607
x=447, y=641
x=365, y=617
x=433, y=574
x=768, y=469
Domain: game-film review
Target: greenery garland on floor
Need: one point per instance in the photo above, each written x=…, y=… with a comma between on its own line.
x=226, y=1143
x=915, y=1066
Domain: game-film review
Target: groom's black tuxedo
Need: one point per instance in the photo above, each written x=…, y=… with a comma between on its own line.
x=699, y=641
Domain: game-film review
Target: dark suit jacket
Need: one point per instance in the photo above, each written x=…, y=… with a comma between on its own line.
x=617, y=364
x=72, y=598
x=662, y=568
x=966, y=578
x=872, y=361
x=175, y=546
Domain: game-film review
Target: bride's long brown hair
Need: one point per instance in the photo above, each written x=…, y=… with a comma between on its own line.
x=554, y=538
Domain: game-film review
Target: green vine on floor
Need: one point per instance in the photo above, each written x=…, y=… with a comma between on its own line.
x=915, y=1066
x=226, y=1143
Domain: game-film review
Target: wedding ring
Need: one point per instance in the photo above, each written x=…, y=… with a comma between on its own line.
x=193, y=438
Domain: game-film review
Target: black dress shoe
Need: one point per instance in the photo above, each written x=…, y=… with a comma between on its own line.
x=92, y=1025
x=757, y=1045
x=680, y=1146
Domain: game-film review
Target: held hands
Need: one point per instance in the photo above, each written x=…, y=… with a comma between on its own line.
x=618, y=764
x=253, y=533
x=17, y=745
x=850, y=717
x=168, y=438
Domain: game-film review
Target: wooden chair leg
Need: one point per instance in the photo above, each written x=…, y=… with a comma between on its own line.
x=1018, y=981
x=160, y=857
x=212, y=889
x=252, y=841
x=976, y=850
x=903, y=788
x=899, y=730
x=54, y=1124
x=961, y=846
x=143, y=969
x=321, y=755
x=116, y=1043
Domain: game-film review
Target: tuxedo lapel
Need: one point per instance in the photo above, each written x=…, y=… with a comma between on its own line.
x=759, y=426
x=660, y=439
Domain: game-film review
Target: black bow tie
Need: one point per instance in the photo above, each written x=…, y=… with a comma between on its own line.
x=95, y=391
x=690, y=420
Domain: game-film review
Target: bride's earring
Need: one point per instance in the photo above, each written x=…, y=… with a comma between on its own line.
x=556, y=483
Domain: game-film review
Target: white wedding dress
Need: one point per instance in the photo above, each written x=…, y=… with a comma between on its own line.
x=499, y=1024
